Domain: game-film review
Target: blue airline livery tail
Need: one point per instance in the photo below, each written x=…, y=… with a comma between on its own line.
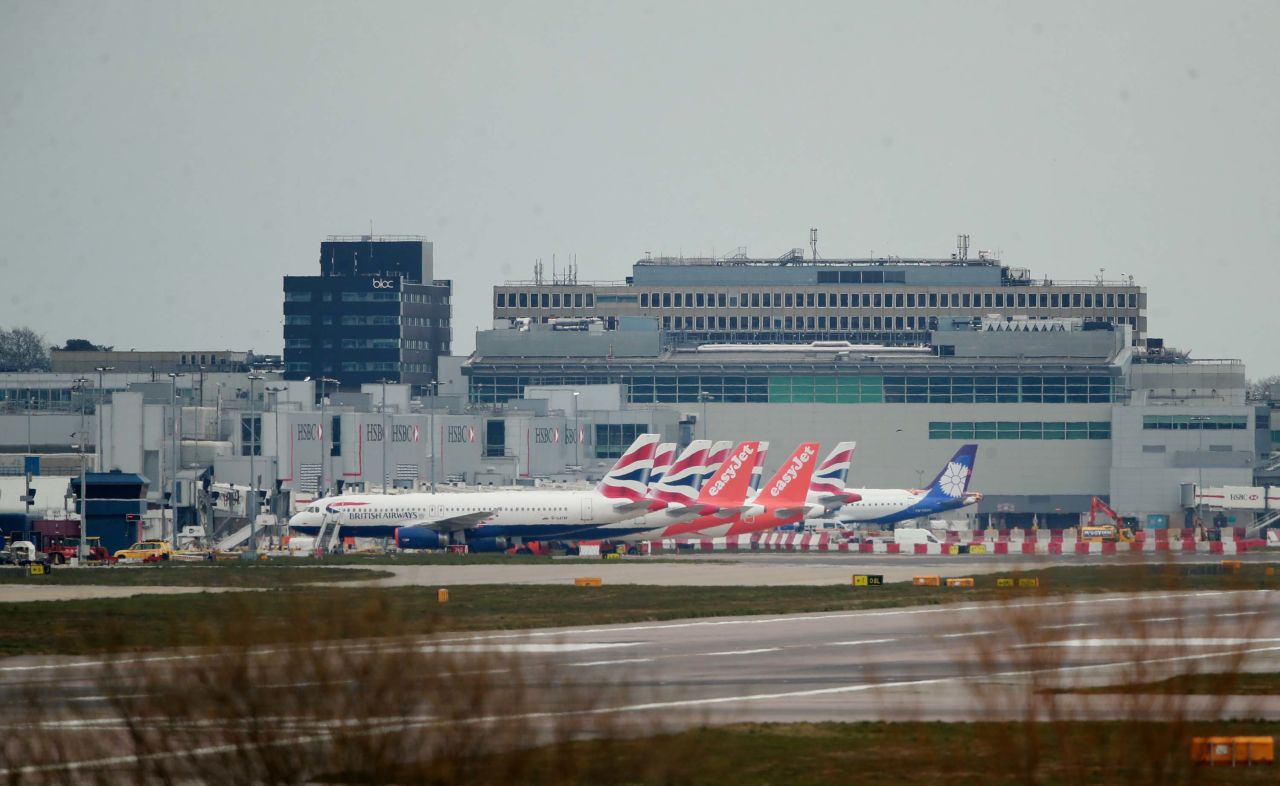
x=953, y=481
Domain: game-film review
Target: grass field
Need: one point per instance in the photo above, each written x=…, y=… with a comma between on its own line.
x=826, y=754
x=83, y=626
x=228, y=573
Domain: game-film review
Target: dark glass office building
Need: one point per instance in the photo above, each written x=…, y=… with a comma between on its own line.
x=375, y=312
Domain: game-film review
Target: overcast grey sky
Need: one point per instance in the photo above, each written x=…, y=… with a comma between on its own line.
x=165, y=163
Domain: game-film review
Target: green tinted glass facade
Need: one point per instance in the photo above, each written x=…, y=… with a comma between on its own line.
x=1019, y=429
x=815, y=388
x=1195, y=422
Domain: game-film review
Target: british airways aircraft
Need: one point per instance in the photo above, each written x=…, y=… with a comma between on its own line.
x=428, y=520
x=948, y=491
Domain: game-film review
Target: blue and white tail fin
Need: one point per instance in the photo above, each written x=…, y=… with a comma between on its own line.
x=679, y=484
x=953, y=481
x=757, y=472
x=627, y=483
x=715, y=457
x=663, y=458
x=831, y=475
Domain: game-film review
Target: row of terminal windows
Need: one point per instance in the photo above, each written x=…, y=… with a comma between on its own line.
x=817, y=323
x=895, y=300
x=1020, y=429
x=358, y=343
x=1195, y=422
x=814, y=389
x=362, y=297
x=307, y=368
x=613, y=438
x=548, y=300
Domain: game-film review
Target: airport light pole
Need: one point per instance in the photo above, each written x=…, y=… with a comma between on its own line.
x=253, y=476
x=84, y=488
x=384, y=382
x=577, y=455
x=324, y=447
x=100, y=450
x=274, y=407
x=1201, y=420
x=173, y=481
x=431, y=426
x=704, y=396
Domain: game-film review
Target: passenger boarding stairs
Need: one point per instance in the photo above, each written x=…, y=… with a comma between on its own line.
x=328, y=534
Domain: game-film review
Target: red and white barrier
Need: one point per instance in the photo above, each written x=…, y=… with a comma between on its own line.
x=825, y=542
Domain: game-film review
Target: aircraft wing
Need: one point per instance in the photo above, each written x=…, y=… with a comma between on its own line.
x=638, y=505
x=455, y=523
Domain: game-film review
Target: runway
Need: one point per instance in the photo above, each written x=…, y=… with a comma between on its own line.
x=964, y=661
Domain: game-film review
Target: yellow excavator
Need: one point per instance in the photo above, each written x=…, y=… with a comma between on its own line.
x=1115, y=532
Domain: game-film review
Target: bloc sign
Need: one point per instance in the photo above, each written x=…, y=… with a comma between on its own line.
x=868, y=580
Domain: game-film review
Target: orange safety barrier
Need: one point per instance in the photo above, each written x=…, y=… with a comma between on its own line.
x=442, y=595
x=965, y=582
x=1232, y=565
x=926, y=581
x=587, y=582
x=1233, y=751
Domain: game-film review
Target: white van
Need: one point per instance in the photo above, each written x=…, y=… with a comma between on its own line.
x=910, y=536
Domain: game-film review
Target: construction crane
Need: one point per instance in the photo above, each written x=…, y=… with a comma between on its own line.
x=1115, y=532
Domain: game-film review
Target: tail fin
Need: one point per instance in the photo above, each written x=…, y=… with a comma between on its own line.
x=757, y=472
x=680, y=482
x=953, y=481
x=789, y=486
x=663, y=458
x=832, y=474
x=715, y=457
x=729, y=486
x=626, y=481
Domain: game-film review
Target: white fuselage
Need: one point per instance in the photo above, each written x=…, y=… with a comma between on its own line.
x=532, y=514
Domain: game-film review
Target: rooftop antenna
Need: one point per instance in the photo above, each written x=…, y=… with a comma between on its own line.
x=962, y=247
x=813, y=242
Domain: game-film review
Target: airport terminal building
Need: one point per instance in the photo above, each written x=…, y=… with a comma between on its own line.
x=792, y=299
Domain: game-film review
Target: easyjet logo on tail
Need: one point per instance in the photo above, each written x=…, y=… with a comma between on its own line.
x=797, y=463
x=728, y=473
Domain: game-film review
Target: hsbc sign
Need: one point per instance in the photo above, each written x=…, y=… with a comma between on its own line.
x=460, y=434
x=309, y=431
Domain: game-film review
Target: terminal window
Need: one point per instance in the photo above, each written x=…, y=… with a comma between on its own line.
x=1010, y=429
x=614, y=438
x=1195, y=422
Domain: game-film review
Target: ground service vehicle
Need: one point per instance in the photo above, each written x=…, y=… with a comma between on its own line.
x=1115, y=532
x=21, y=552
x=911, y=536
x=63, y=549
x=146, y=551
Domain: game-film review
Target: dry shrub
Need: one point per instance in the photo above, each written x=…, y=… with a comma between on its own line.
x=349, y=696
x=1056, y=664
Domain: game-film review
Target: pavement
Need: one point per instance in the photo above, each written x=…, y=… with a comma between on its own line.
x=954, y=662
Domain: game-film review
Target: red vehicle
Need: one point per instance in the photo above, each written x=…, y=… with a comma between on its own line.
x=62, y=549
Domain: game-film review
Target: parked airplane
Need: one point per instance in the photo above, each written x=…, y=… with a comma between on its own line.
x=427, y=520
x=782, y=500
x=678, y=488
x=948, y=491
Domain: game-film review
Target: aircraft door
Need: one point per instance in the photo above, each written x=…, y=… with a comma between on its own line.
x=586, y=509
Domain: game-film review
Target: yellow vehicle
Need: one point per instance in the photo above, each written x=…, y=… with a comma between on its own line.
x=146, y=551
x=1093, y=532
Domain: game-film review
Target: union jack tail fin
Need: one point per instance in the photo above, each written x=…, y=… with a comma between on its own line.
x=831, y=475
x=953, y=481
x=679, y=485
x=626, y=482
x=715, y=457
x=757, y=472
x=728, y=488
x=663, y=458
x=789, y=486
